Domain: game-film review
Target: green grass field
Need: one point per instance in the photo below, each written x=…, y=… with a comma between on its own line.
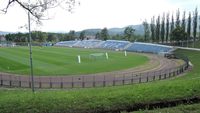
x=64, y=61
x=94, y=100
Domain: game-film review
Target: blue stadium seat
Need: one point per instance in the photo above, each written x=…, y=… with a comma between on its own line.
x=117, y=44
x=114, y=44
x=148, y=47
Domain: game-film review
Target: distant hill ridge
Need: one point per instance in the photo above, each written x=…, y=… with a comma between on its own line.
x=4, y=32
x=139, y=30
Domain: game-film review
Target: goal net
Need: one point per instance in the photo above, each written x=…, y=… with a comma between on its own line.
x=96, y=56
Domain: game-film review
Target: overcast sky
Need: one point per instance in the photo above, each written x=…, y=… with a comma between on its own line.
x=96, y=14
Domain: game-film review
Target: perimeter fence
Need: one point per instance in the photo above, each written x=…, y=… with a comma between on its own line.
x=114, y=79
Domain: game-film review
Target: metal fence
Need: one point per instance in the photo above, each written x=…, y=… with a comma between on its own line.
x=90, y=81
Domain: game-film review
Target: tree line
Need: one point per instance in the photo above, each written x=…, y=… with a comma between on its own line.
x=39, y=36
x=173, y=29
x=127, y=35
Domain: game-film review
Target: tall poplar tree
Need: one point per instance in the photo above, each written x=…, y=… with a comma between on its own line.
x=183, y=26
x=183, y=21
x=189, y=28
x=171, y=27
x=167, y=27
x=146, y=30
x=158, y=29
x=163, y=29
x=153, y=29
x=195, y=16
x=177, y=18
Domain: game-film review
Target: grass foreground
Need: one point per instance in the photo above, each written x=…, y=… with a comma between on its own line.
x=64, y=61
x=194, y=108
x=108, y=99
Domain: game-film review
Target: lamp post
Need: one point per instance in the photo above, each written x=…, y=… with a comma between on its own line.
x=30, y=52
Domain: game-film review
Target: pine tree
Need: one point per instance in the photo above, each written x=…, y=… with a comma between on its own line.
x=189, y=28
x=195, y=16
x=167, y=27
x=153, y=29
x=158, y=29
x=163, y=28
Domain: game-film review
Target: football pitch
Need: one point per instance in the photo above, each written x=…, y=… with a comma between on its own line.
x=64, y=61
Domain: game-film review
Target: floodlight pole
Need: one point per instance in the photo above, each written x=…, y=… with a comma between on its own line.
x=30, y=51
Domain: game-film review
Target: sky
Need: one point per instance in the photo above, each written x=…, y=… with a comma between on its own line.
x=95, y=14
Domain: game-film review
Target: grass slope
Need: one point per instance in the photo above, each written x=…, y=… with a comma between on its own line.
x=195, y=108
x=63, y=61
x=197, y=44
x=95, y=100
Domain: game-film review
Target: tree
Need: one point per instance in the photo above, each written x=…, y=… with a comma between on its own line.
x=177, y=18
x=52, y=37
x=189, y=28
x=44, y=37
x=65, y=37
x=178, y=34
x=98, y=35
x=183, y=21
x=163, y=29
x=117, y=37
x=71, y=35
x=39, y=8
x=167, y=27
x=82, y=35
x=8, y=37
x=146, y=30
x=153, y=29
x=17, y=37
x=158, y=29
x=172, y=27
x=195, y=16
x=129, y=33
x=199, y=27
x=39, y=36
x=104, y=34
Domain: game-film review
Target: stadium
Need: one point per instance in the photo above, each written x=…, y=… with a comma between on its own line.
x=100, y=56
x=90, y=68
x=115, y=71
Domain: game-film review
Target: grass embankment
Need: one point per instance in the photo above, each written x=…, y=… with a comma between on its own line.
x=195, y=108
x=64, y=61
x=103, y=99
x=197, y=44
